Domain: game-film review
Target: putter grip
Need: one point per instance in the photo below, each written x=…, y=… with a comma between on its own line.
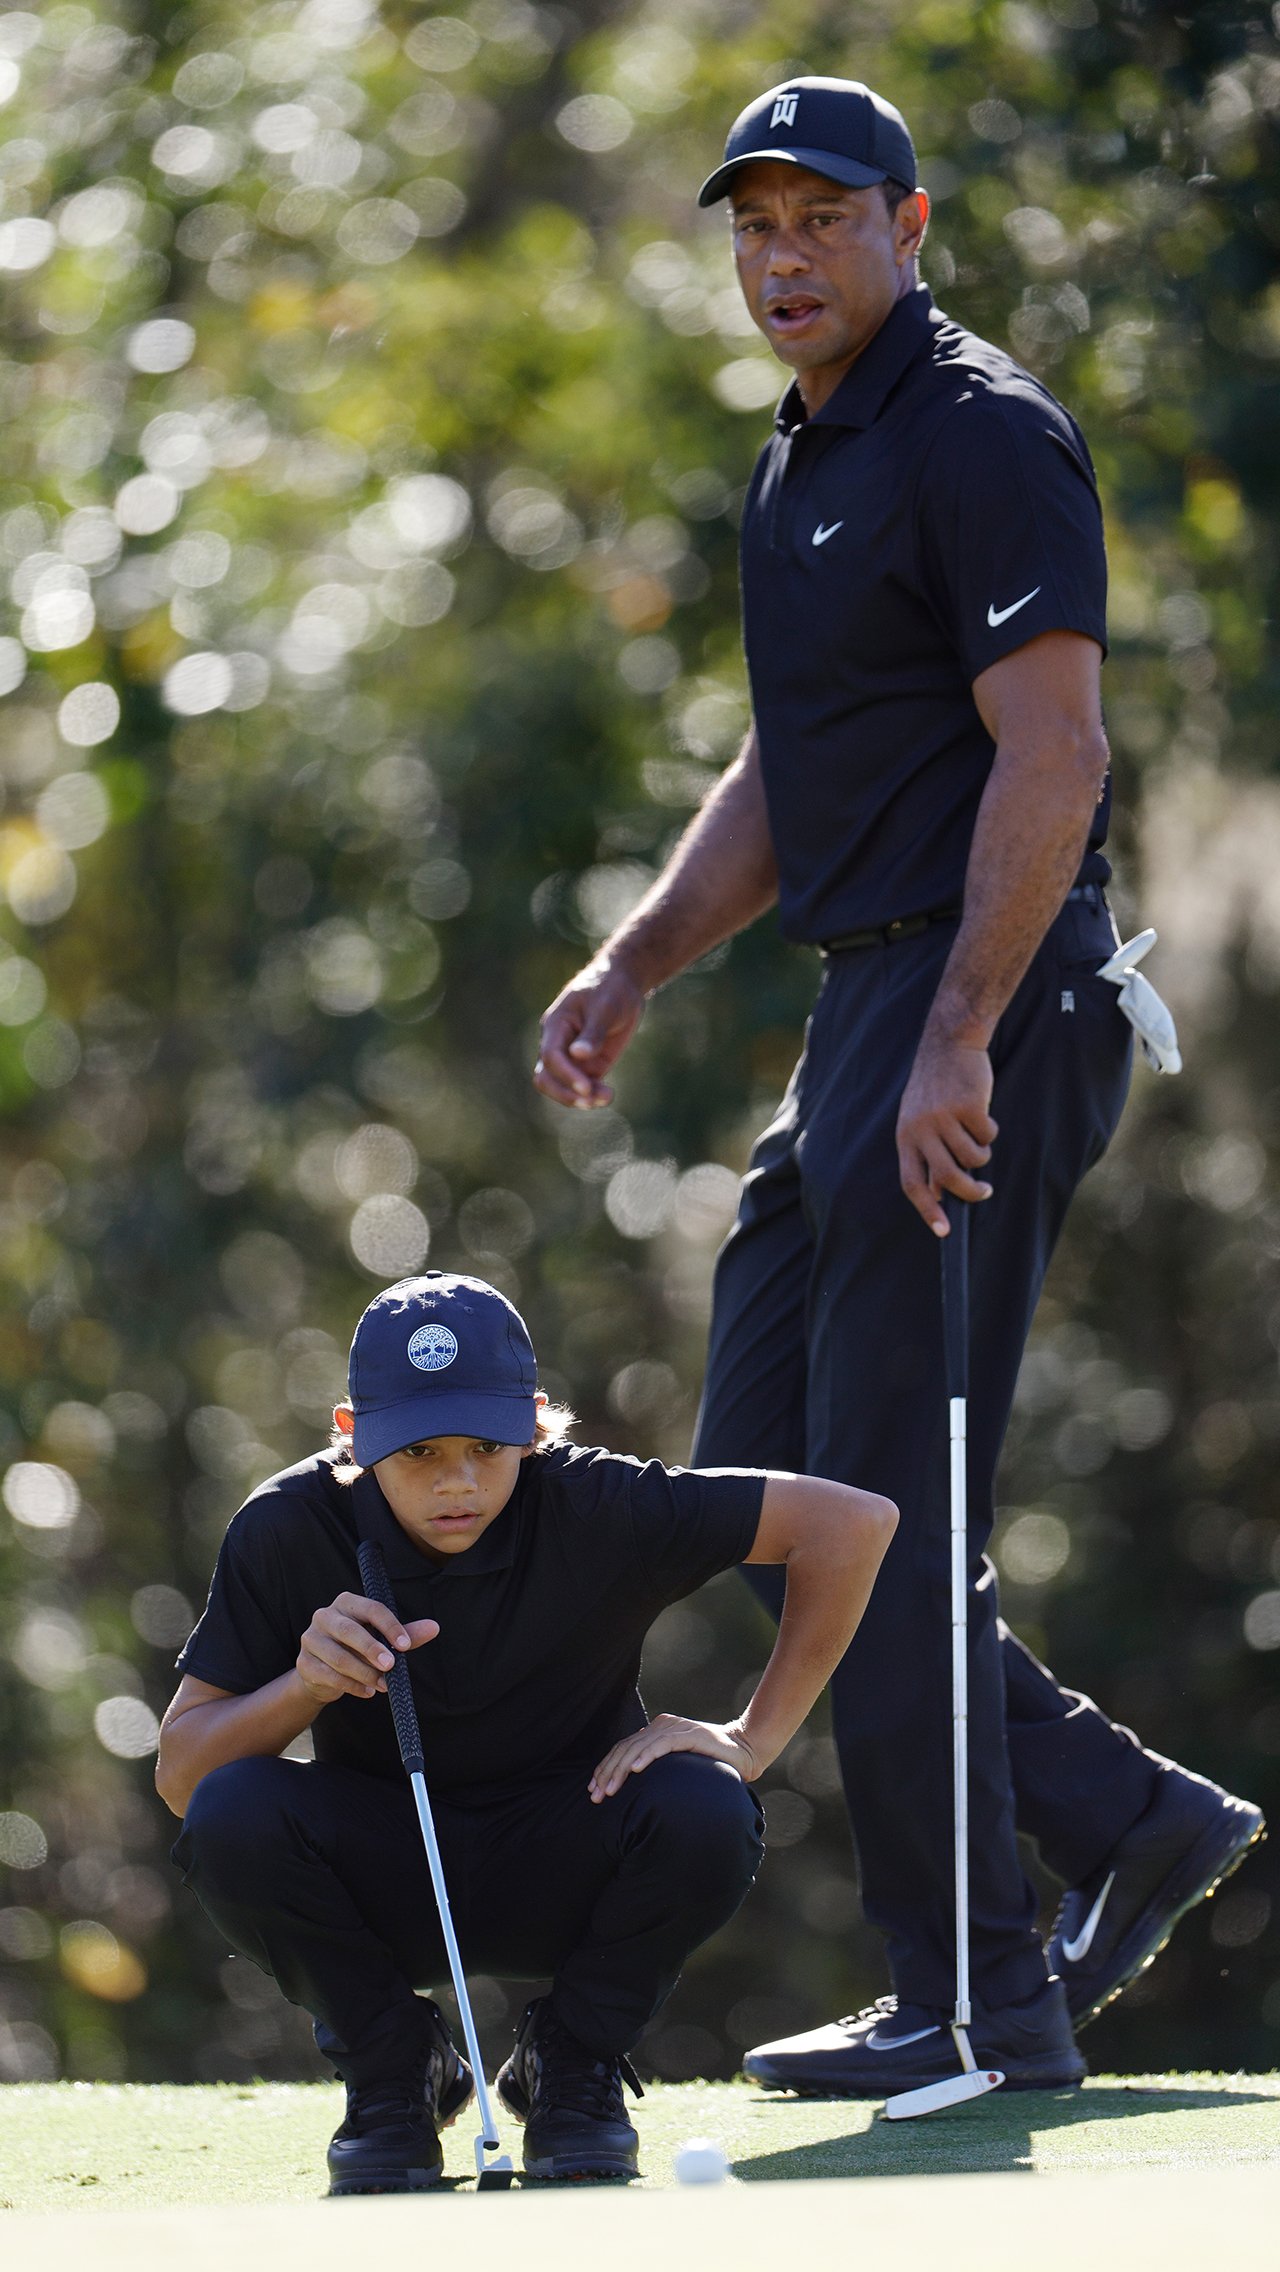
x=955, y=1295
x=377, y=1587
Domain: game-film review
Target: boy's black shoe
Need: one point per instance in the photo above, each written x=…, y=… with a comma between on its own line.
x=569, y=2101
x=1109, y=1929
x=388, y=2141
x=893, y=2047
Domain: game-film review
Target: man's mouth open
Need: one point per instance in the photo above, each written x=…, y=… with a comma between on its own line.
x=786, y=318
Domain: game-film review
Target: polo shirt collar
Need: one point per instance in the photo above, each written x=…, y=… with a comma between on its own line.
x=865, y=387
x=495, y=1549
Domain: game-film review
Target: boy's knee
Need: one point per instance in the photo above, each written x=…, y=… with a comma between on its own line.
x=705, y=1810
x=232, y=1814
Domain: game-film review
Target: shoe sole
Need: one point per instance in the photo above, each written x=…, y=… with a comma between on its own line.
x=387, y=2181
x=1197, y=1878
x=1032, y=2077
x=579, y=2168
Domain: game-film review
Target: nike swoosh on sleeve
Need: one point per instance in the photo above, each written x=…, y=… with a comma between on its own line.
x=821, y=534
x=997, y=616
x=1075, y=1951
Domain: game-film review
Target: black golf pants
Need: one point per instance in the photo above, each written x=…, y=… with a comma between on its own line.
x=826, y=1356
x=318, y=1874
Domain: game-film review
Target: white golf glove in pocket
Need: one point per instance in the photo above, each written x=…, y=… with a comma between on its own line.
x=1150, y=1017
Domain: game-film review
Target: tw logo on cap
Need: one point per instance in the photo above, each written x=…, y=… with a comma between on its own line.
x=784, y=111
x=432, y=1347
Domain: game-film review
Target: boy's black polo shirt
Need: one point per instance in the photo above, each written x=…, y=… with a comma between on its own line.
x=541, y=1621
x=937, y=512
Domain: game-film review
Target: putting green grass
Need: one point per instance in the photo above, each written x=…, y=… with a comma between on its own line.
x=90, y=2147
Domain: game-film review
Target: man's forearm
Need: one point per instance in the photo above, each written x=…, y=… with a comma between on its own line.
x=259, y=1725
x=1031, y=831
x=721, y=875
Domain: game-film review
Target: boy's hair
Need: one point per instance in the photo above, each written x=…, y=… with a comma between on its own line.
x=550, y=1431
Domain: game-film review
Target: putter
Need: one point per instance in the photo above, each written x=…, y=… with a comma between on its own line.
x=972, y=2081
x=494, y=2175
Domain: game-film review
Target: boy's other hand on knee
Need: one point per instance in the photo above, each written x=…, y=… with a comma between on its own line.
x=713, y=1739
x=349, y=1648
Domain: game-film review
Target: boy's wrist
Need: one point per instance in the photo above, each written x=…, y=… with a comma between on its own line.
x=307, y=1696
x=752, y=1741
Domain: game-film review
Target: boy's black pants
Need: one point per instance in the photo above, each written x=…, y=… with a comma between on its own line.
x=826, y=1356
x=318, y=1874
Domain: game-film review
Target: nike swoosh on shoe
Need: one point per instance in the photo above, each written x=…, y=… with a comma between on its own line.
x=876, y=2042
x=1075, y=1951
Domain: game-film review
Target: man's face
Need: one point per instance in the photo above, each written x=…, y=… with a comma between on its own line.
x=446, y=1490
x=820, y=265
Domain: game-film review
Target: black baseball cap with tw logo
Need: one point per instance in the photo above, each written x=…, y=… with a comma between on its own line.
x=440, y=1355
x=837, y=127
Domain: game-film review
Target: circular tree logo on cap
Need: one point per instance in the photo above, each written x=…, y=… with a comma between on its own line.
x=432, y=1347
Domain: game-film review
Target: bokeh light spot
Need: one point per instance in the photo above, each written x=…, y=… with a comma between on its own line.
x=23, y=1845
x=126, y=1727
x=164, y=344
x=146, y=504
x=389, y=1236
x=89, y=715
x=196, y=684
x=94, y=1960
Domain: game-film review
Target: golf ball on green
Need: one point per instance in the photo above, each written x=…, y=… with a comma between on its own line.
x=701, y=2161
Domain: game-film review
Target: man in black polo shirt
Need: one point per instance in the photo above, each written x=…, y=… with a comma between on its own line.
x=580, y=1839
x=924, y=791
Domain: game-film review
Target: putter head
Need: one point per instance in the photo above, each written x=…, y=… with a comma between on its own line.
x=935, y=2098
x=492, y=2176
x=1128, y=955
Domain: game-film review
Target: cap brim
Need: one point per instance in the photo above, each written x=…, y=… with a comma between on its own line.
x=413, y=1420
x=847, y=171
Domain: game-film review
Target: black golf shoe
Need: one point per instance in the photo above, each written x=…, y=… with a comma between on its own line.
x=569, y=2101
x=387, y=2142
x=892, y=2047
x=1110, y=1928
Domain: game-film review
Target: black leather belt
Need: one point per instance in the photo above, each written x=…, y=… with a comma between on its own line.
x=888, y=934
x=911, y=926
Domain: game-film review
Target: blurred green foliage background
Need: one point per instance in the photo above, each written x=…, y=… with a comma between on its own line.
x=377, y=409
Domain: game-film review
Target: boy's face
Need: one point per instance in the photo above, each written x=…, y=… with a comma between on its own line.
x=446, y=1490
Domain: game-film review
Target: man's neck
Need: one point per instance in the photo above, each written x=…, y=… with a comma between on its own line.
x=817, y=387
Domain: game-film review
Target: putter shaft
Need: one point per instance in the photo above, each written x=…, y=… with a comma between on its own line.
x=972, y=2081
x=404, y=1712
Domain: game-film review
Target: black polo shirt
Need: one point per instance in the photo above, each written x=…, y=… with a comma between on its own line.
x=542, y=1621
x=937, y=512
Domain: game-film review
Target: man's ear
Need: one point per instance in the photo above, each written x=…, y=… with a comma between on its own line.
x=911, y=222
x=344, y=1420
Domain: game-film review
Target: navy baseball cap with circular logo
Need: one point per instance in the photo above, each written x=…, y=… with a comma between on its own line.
x=837, y=127
x=440, y=1355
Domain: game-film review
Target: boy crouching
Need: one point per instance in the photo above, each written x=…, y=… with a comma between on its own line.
x=581, y=1840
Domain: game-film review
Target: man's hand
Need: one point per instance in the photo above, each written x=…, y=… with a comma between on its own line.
x=721, y=875
x=945, y=1127
x=585, y=1032
x=712, y=1739
x=345, y=1650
